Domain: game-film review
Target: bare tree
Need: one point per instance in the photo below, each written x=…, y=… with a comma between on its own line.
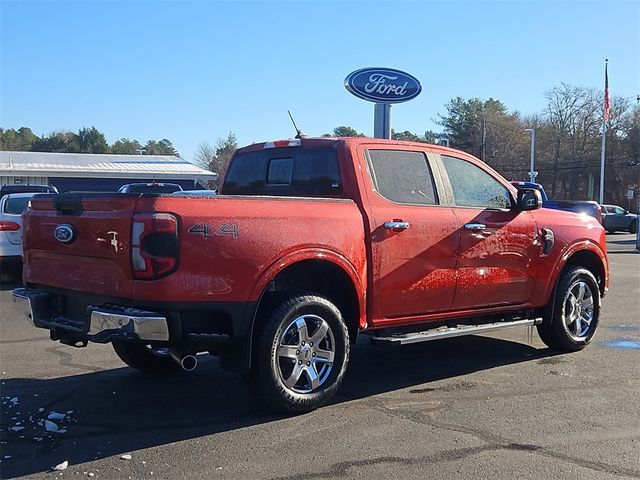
x=205, y=154
x=225, y=148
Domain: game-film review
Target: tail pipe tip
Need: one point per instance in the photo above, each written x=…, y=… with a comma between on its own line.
x=186, y=362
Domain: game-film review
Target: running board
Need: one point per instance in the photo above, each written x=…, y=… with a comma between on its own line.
x=449, y=332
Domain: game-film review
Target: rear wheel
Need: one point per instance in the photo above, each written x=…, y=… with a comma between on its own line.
x=145, y=358
x=300, y=354
x=572, y=322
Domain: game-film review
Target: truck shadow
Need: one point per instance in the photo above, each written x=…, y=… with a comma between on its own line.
x=9, y=280
x=121, y=411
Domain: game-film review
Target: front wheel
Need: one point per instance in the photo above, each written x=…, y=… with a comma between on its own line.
x=300, y=355
x=572, y=321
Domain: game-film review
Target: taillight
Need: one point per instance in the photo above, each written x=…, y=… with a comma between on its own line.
x=6, y=226
x=154, y=245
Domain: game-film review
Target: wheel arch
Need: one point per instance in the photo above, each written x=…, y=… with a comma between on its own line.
x=322, y=272
x=587, y=255
x=325, y=273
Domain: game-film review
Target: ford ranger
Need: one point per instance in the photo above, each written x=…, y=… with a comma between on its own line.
x=310, y=243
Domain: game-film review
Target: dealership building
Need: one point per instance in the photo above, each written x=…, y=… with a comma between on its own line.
x=81, y=172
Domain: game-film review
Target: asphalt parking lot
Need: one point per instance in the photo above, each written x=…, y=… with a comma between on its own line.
x=500, y=407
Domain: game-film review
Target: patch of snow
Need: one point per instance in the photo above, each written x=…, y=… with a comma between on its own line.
x=56, y=416
x=62, y=466
x=126, y=456
x=50, y=426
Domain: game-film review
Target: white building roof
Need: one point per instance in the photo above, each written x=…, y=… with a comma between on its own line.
x=90, y=165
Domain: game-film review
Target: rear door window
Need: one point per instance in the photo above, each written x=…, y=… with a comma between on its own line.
x=292, y=171
x=402, y=176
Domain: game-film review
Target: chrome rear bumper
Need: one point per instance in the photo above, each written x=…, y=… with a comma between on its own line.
x=100, y=323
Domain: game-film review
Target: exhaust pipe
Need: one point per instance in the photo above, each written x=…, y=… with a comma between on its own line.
x=186, y=362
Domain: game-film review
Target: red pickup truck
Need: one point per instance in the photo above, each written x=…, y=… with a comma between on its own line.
x=310, y=243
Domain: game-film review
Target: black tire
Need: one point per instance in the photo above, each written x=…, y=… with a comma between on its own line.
x=610, y=231
x=633, y=228
x=576, y=300
x=144, y=358
x=283, y=351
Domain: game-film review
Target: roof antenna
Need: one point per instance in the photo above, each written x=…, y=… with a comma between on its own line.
x=300, y=133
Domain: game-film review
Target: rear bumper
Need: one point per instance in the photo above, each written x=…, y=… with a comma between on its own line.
x=101, y=324
x=73, y=318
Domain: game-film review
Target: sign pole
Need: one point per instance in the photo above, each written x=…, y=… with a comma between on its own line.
x=638, y=223
x=382, y=120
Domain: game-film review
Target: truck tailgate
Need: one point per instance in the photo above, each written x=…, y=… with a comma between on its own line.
x=80, y=242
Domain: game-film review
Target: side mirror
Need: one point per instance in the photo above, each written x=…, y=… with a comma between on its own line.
x=529, y=199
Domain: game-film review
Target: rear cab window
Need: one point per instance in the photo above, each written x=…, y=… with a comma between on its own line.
x=288, y=171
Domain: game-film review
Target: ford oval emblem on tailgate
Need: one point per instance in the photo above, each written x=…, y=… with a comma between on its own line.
x=65, y=233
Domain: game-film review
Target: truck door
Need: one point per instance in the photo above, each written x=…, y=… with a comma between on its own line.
x=498, y=244
x=413, y=236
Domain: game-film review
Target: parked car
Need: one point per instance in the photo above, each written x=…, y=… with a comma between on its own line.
x=615, y=218
x=586, y=207
x=311, y=243
x=7, y=189
x=152, y=187
x=11, y=207
x=537, y=186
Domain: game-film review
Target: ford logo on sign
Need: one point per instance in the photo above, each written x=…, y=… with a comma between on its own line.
x=65, y=233
x=383, y=85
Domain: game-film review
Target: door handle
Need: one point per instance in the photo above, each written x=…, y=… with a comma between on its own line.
x=475, y=226
x=396, y=225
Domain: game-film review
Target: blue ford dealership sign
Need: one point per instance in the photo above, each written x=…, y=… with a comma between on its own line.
x=383, y=85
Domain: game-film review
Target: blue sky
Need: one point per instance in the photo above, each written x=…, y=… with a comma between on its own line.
x=194, y=71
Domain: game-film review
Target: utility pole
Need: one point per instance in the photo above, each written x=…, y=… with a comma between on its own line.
x=605, y=119
x=532, y=173
x=483, y=140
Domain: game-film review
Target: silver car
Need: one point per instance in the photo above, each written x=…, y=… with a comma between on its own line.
x=11, y=208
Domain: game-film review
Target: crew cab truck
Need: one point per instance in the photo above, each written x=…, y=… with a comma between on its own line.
x=310, y=243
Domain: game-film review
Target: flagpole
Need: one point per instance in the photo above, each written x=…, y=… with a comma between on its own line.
x=605, y=113
x=604, y=134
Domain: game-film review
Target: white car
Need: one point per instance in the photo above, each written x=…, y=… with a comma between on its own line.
x=11, y=208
